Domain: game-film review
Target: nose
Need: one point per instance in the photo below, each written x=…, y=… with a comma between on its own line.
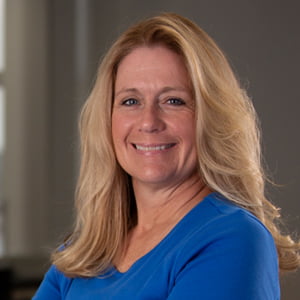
x=151, y=119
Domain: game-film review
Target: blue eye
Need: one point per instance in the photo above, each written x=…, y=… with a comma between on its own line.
x=175, y=101
x=130, y=101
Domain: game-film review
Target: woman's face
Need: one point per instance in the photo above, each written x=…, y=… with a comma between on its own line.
x=153, y=119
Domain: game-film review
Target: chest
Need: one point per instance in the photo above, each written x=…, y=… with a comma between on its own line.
x=139, y=245
x=148, y=283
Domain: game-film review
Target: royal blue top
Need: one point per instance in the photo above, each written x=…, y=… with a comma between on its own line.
x=217, y=251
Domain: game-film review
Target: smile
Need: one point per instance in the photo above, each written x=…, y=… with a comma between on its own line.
x=153, y=147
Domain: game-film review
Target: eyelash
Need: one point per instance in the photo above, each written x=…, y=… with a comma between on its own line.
x=172, y=101
x=129, y=102
x=176, y=101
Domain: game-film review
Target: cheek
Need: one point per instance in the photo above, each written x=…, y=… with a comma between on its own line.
x=187, y=129
x=189, y=141
x=116, y=131
x=117, y=136
x=120, y=128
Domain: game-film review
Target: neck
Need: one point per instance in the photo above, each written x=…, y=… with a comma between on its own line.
x=156, y=206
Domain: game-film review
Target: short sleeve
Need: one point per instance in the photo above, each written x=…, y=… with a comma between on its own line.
x=238, y=261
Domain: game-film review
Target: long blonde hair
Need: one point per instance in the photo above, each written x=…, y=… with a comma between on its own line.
x=227, y=139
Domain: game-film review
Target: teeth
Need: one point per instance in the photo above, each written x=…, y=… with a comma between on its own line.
x=153, y=148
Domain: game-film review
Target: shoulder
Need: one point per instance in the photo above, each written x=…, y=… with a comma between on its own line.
x=224, y=218
x=54, y=285
x=230, y=220
x=228, y=248
x=226, y=231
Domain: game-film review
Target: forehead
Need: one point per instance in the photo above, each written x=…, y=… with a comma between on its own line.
x=156, y=52
x=152, y=63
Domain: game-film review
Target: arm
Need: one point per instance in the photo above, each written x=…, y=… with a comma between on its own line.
x=239, y=261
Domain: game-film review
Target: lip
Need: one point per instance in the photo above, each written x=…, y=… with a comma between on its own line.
x=153, y=148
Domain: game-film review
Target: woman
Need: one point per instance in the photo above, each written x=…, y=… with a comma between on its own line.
x=170, y=200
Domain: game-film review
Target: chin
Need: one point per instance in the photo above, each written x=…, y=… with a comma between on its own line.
x=153, y=178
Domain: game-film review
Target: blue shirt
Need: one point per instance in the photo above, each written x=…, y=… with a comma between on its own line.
x=218, y=251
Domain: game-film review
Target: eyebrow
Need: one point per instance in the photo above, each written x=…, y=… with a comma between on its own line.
x=129, y=90
x=162, y=91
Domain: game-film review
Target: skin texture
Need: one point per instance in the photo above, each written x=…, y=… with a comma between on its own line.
x=153, y=129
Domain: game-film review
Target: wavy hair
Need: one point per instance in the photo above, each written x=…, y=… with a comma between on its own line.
x=227, y=138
